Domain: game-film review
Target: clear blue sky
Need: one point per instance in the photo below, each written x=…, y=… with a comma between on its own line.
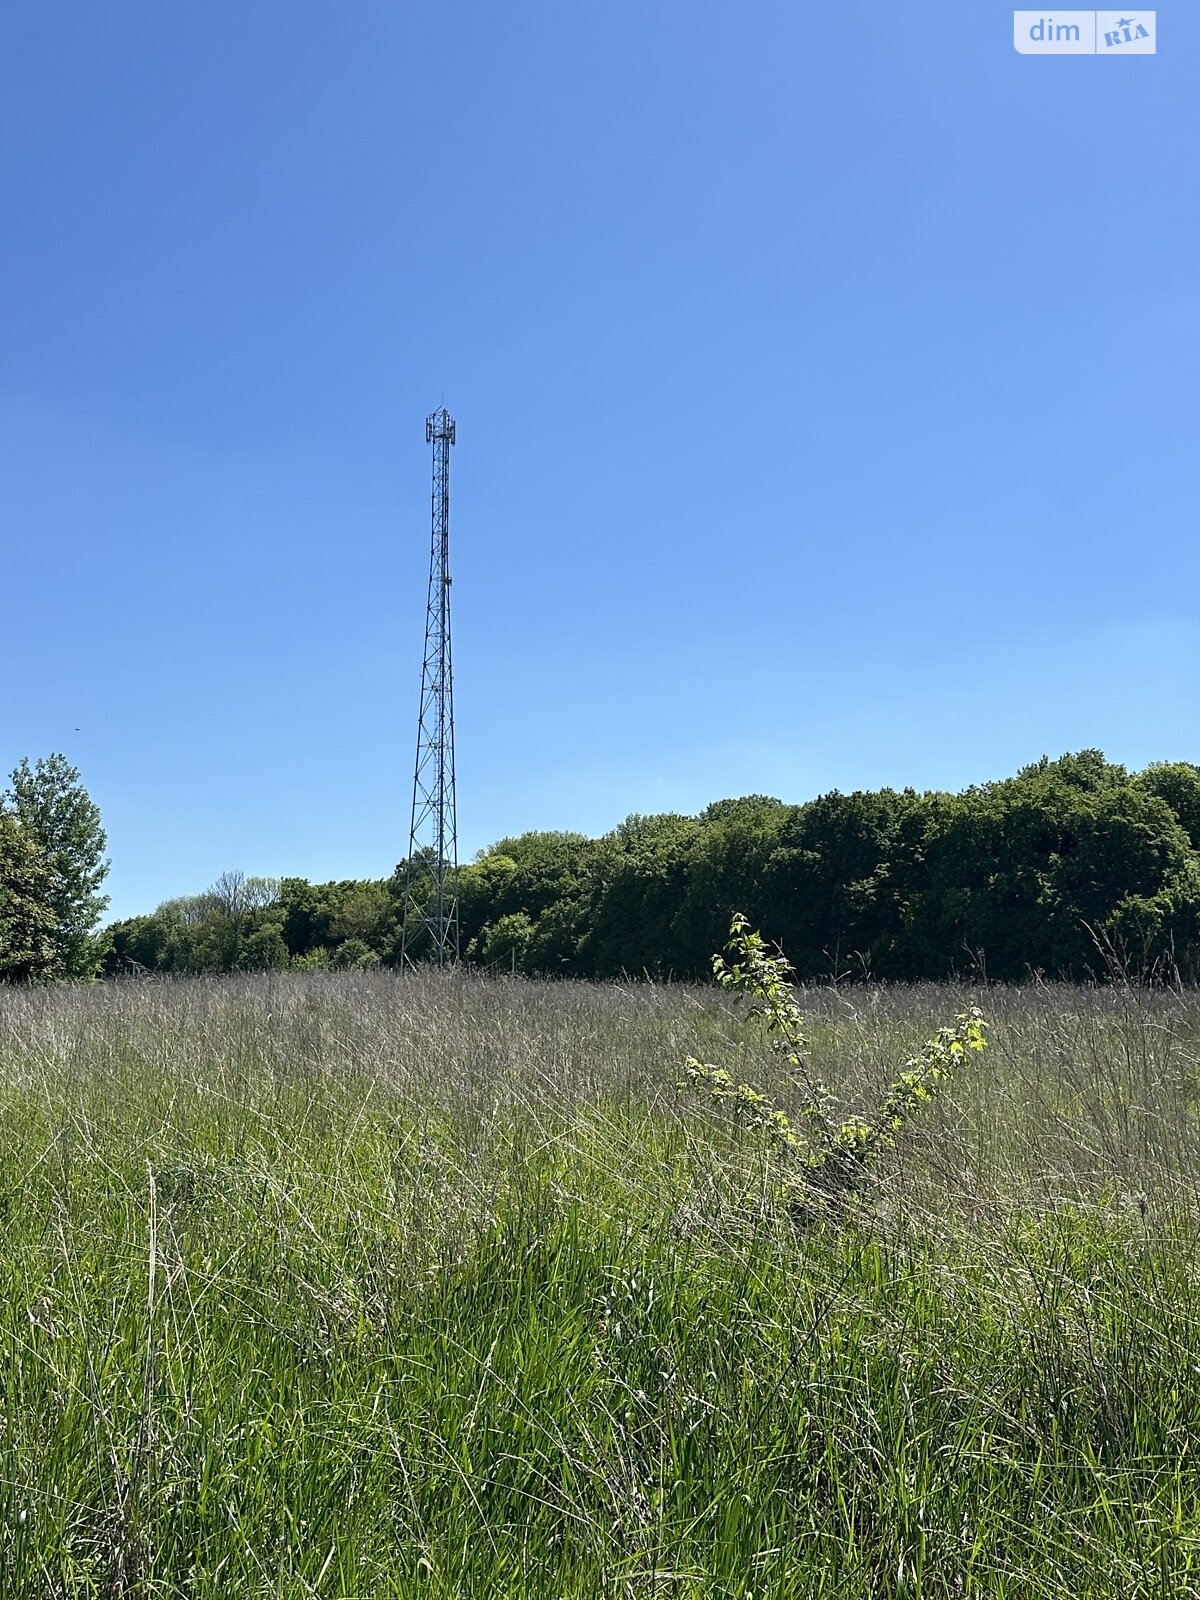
x=826, y=384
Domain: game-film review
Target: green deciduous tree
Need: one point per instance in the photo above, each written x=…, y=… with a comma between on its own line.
x=827, y=888
x=1178, y=783
x=483, y=896
x=733, y=843
x=28, y=946
x=506, y=941
x=641, y=875
x=55, y=812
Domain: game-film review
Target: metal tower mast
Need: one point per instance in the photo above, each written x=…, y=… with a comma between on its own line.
x=433, y=836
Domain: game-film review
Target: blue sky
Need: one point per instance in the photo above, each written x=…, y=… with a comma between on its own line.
x=826, y=387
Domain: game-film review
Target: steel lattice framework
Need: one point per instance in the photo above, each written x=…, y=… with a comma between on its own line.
x=433, y=836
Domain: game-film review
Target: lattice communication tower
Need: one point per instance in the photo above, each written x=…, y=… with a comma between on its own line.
x=430, y=929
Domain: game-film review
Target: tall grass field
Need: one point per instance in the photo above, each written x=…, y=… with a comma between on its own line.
x=364, y=1285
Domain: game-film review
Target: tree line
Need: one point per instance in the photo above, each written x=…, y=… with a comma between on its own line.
x=1069, y=868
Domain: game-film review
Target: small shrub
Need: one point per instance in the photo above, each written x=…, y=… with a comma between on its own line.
x=314, y=960
x=824, y=1157
x=355, y=953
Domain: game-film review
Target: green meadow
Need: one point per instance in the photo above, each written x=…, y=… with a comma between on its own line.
x=369, y=1285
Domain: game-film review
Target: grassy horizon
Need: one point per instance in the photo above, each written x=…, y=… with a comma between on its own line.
x=373, y=1285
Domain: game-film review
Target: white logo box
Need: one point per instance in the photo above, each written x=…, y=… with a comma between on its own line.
x=1085, y=33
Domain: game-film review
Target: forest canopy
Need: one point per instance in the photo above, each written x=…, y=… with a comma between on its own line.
x=1071, y=868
